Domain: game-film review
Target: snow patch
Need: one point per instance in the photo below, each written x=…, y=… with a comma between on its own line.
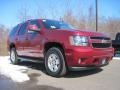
x=15, y=72
x=116, y=58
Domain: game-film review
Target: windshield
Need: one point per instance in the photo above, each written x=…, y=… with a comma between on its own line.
x=52, y=24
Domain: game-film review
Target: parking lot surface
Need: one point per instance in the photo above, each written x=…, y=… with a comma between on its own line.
x=105, y=78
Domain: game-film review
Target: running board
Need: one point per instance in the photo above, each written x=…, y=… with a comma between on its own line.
x=35, y=60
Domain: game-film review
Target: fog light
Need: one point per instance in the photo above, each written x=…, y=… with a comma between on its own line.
x=104, y=61
x=79, y=61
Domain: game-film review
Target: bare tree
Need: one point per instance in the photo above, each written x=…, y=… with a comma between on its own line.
x=3, y=40
x=109, y=26
x=70, y=18
x=91, y=22
x=80, y=19
x=24, y=14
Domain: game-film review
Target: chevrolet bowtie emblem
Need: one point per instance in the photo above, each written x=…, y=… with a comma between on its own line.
x=105, y=41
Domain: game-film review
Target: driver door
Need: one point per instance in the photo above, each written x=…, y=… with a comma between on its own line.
x=34, y=40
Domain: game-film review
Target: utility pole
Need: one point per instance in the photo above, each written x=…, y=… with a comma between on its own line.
x=96, y=6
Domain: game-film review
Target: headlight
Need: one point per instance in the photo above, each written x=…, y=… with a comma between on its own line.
x=79, y=40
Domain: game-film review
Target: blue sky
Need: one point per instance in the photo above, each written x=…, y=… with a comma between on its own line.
x=10, y=9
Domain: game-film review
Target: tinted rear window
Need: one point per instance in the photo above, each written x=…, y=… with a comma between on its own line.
x=23, y=28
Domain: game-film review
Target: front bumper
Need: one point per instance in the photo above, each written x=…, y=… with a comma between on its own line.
x=88, y=57
x=86, y=68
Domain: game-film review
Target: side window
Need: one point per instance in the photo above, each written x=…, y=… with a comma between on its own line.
x=14, y=30
x=23, y=28
x=118, y=36
x=35, y=22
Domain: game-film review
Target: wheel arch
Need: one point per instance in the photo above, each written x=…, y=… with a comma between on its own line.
x=12, y=45
x=49, y=45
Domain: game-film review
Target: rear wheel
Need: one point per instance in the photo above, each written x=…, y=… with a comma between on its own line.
x=13, y=56
x=55, y=62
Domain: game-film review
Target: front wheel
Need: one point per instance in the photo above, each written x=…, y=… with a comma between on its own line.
x=55, y=62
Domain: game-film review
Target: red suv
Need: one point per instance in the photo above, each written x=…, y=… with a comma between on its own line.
x=59, y=46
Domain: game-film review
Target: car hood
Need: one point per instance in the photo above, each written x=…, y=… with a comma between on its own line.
x=86, y=32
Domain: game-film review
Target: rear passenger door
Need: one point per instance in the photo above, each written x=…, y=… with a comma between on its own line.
x=21, y=40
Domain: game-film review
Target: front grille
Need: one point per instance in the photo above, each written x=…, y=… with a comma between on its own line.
x=103, y=42
x=101, y=45
x=100, y=38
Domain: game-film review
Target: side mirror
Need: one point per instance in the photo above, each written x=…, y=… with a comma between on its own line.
x=33, y=28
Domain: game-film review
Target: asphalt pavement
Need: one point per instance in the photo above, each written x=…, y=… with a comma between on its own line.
x=105, y=78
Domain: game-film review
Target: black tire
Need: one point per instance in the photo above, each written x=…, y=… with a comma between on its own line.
x=15, y=60
x=61, y=67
